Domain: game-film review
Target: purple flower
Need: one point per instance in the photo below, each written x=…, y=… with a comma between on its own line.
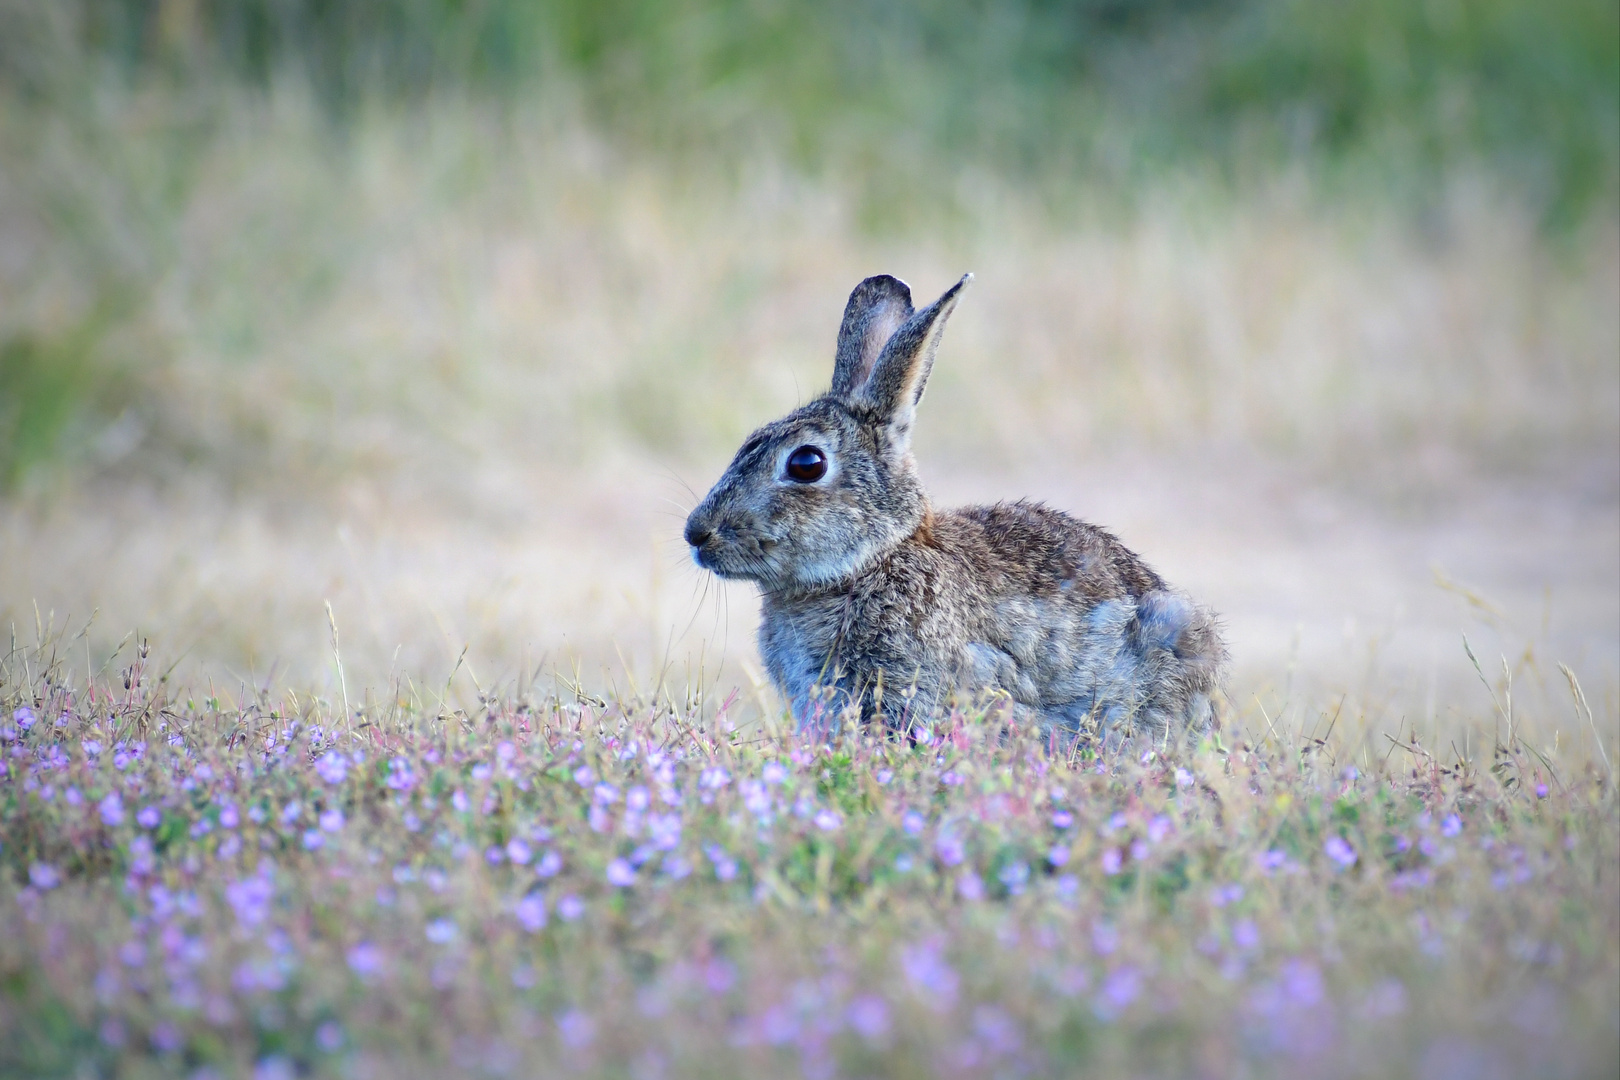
x=949, y=847
x=518, y=851
x=929, y=975
x=459, y=801
x=714, y=778
x=1058, y=856
x=400, y=776
x=1014, y=876
x=166, y=1038
x=24, y=717
x=329, y=1037
x=42, y=875
x=1062, y=819
x=550, y=864
x=332, y=820
x=620, y=874
x=291, y=812
x=637, y=799
x=605, y=794
x=883, y=776
x=970, y=887
x=1183, y=778
x=1245, y=934
x=1541, y=791
x=828, y=821
x=366, y=960
x=112, y=809
x=494, y=855
x=1451, y=826
x=576, y=1028
x=1158, y=829
x=91, y=747
x=583, y=776
x=441, y=931
x=570, y=908
x=913, y=822
x=1112, y=860
x=1339, y=850
x=333, y=767
x=531, y=912
x=1271, y=861
x=313, y=840
x=868, y=1017
x=725, y=867
x=774, y=772
x=250, y=898
x=1117, y=992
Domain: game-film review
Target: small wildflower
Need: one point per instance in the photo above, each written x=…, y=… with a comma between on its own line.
x=913, y=822
x=570, y=908
x=1062, y=819
x=365, y=960
x=329, y=1037
x=1112, y=860
x=1015, y=876
x=576, y=1028
x=518, y=852
x=331, y=820
x=333, y=767
x=291, y=812
x=620, y=874
x=43, y=876
x=774, y=772
x=1451, y=826
x=441, y=931
x=549, y=865
x=400, y=775
x=1339, y=850
x=313, y=840
x=828, y=821
x=531, y=912
x=111, y=809
x=1058, y=856
x=970, y=887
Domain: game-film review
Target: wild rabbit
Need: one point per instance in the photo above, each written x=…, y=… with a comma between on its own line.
x=874, y=601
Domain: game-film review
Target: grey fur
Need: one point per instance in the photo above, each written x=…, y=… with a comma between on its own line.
x=873, y=601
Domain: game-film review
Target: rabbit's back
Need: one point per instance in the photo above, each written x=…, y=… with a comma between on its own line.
x=1014, y=597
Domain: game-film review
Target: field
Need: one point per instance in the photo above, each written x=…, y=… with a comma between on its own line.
x=363, y=714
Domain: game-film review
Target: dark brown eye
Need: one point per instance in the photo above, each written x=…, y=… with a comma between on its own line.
x=806, y=465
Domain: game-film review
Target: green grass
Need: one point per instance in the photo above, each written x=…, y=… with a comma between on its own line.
x=204, y=893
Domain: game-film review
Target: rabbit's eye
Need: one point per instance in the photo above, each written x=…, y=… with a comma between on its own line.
x=806, y=465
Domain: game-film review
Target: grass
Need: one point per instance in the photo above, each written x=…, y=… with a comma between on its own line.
x=277, y=886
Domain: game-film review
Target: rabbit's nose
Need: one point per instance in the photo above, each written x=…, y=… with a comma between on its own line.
x=697, y=534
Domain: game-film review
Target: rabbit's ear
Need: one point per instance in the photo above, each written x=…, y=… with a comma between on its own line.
x=901, y=371
x=876, y=309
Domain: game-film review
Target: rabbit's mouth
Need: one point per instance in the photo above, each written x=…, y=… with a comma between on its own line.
x=734, y=555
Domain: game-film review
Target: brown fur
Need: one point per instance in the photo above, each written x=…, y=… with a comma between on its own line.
x=874, y=602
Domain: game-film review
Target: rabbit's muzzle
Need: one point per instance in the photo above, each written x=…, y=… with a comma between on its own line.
x=727, y=549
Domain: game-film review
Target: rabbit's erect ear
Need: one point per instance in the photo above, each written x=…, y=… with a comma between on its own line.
x=901, y=371
x=877, y=308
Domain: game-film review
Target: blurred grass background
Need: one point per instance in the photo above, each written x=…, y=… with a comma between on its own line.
x=276, y=264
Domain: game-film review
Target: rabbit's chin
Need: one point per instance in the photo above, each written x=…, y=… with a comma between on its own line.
x=774, y=574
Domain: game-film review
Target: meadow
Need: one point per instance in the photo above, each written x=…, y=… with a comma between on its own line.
x=362, y=713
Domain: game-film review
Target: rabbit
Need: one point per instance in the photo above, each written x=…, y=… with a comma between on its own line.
x=873, y=602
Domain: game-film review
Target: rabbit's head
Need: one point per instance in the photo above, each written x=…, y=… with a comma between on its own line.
x=817, y=495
